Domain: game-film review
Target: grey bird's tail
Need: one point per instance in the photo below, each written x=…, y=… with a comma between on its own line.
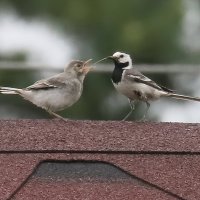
x=9, y=90
x=179, y=96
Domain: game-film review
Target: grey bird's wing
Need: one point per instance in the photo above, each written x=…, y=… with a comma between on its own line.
x=52, y=82
x=134, y=75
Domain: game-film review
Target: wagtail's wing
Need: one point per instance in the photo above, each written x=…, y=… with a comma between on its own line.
x=136, y=76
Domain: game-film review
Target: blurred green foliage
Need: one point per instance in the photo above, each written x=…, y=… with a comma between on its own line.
x=147, y=29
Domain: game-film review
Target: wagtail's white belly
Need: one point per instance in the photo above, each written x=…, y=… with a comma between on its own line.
x=138, y=91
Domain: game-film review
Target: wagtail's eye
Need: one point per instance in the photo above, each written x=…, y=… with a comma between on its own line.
x=121, y=56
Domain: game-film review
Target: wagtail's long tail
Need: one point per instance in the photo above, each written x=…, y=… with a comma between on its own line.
x=179, y=96
x=9, y=90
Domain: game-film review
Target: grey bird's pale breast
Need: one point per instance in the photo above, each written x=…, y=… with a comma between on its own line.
x=57, y=98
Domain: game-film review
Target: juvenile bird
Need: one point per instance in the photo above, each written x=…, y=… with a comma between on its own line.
x=57, y=92
x=137, y=87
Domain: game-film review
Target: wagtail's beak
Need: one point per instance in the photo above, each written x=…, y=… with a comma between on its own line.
x=86, y=68
x=112, y=58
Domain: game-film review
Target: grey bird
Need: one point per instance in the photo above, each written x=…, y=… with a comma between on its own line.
x=57, y=92
x=135, y=86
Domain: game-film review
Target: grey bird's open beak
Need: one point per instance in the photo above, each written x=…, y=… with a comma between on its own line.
x=87, y=61
x=86, y=66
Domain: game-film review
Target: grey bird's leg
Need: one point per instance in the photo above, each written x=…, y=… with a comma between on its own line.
x=146, y=111
x=132, y=106
x=56, y=115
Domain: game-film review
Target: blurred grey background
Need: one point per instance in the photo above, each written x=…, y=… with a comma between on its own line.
x=38, y=38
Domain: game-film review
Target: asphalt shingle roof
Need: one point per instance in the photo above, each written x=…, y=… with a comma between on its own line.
x=53, y=159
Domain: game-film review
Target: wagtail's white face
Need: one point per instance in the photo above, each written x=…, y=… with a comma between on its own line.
x=122, y=58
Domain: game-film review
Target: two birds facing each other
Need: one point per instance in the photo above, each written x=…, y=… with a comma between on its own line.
x=63, y=90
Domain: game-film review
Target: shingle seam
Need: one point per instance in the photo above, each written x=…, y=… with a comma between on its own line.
x=24, y=182
x=101, y=152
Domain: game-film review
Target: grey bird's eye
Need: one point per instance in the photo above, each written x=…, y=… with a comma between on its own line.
x=78, y=65
x=121, y=56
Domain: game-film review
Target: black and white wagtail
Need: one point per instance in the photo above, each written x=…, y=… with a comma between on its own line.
x=57, y=92
x=137, y=87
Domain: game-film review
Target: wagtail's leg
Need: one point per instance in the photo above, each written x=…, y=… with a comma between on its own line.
x=132, y=106
x=146, y=111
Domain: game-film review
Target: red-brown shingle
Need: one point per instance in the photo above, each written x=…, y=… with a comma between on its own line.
x=161, y=159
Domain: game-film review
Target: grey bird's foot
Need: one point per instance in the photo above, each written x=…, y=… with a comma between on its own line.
x=143, y=120
x=56, y=115
x=126, y=117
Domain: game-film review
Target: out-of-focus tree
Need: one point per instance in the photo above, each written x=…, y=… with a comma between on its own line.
x=149, y=30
